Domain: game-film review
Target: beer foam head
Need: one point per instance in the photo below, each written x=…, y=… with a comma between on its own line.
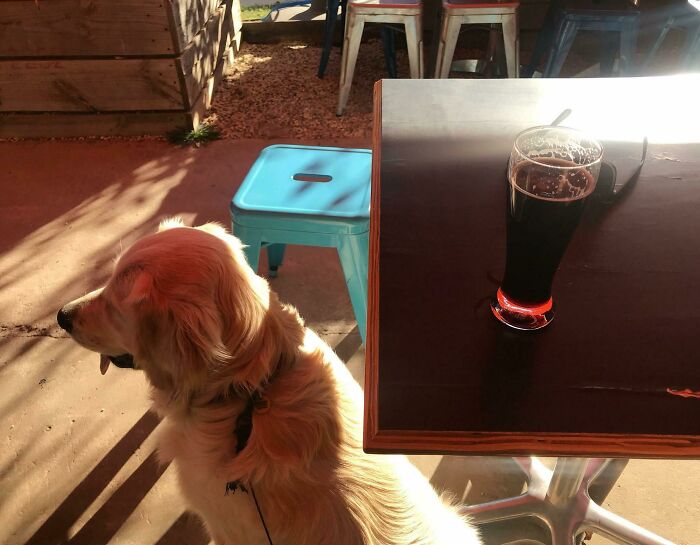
x=555, y=163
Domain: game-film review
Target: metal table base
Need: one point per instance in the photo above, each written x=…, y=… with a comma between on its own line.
x=560, y=500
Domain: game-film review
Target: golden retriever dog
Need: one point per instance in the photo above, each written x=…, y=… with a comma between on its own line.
x=261, y=419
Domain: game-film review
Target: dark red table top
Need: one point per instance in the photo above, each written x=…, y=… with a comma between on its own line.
x=618, y=371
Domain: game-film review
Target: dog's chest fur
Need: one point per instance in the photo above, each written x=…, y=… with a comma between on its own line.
x=230, y=516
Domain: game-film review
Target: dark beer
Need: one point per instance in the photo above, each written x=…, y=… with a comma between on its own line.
x=550, y=173
x=545, y=206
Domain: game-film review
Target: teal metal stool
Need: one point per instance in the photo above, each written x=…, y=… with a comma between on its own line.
x=313, y=196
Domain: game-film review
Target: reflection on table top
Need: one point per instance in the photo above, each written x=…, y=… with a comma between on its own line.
x=618, y=372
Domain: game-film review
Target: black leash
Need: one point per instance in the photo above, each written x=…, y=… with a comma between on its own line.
x=262, y=519
x=244, y=427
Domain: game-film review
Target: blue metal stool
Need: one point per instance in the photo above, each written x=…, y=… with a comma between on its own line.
x=313, y=196
x=565, y=19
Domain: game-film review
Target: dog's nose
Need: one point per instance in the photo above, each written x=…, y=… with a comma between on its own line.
x=65, y=318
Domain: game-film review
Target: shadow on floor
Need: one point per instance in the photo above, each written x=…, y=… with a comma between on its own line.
x=104, y=524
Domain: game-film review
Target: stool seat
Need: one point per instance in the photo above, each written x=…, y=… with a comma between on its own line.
x=312, y=196
x=328, y=182
x=450, y=4
x=598, y=7
x=389, y=4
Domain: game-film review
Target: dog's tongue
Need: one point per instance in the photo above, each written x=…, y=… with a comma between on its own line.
x=104, y=363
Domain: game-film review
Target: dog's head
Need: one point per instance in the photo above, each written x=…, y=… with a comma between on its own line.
x=184, y=306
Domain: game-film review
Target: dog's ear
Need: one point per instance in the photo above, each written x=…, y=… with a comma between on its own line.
x=141, y=287
x=132, y=284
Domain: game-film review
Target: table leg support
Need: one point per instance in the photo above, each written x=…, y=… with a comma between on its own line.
x=618, y=529
x=506, y=509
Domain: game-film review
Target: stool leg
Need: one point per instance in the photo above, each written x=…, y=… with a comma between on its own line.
x=657, y=43
x=545, y=38
x=275, y=255
x=252, y=241
x=353, y=35
x=414, y=42
x=434, y=45
x=560, y=50
x=331, y=19
x=343, y=13
x=439, y=43
x=609, y=45
x=691, y=49
x=448, y=41
x=353, y=251
x=512, y=45
x=628, y=48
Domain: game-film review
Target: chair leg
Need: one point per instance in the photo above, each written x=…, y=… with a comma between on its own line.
x=439, y=43
x=449, y=33
x=657, y=44
x=691, y=49
x=545, y=38
x=609, y=45
x=353, y=35
x=252, y=241
x=414, y=42
x=560, y=50
x=275, y=256
x=331, y=19
x=389, y=41
x=512, y=45
x=343, y=13
x=353, y=251
x=628, y=48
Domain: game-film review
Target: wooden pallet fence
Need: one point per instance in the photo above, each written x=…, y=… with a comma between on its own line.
x=111, y=67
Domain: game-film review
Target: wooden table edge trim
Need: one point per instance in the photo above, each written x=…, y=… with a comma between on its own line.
x=541, y=444
x=372, y=336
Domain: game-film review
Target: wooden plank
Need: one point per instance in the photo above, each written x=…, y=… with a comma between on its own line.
x=78, y=27
x=89, y=85
x=27, y=125
x=237, y=23
x=203, y=102
x=199, y=61
x=188, y=17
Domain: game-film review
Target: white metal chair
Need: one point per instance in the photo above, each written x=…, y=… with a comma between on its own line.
x=456, y=13
x=406, y=12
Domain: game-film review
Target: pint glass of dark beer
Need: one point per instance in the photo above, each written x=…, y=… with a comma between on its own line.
x=551, y=172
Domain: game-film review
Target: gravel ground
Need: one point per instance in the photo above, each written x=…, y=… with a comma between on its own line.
x=272, y=91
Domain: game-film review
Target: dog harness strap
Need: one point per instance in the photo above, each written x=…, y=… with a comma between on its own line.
x=244, y=422
x=244, y=426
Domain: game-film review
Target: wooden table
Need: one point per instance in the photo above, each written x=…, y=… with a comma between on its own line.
x=618, y=371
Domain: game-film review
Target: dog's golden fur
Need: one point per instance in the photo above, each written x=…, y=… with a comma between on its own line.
x=207, y=331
